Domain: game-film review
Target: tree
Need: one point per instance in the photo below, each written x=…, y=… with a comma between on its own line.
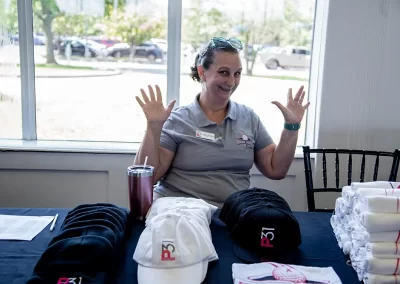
x=134, y=28
x=297, y=29
x=46, y=11
x=201, y=24
x=77, y=25
x=254, y=33
x=109, y=6
x=11, y=16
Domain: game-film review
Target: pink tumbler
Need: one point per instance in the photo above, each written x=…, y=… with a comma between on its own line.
x=140, y=181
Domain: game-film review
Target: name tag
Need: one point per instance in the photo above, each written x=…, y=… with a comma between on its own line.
x=205, y=135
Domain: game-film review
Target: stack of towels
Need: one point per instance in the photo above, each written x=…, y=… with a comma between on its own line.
x=366, y=224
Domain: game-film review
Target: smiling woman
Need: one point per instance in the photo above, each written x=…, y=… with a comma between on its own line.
x=222, y=138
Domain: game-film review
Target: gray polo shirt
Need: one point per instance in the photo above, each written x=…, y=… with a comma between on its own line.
x=211, y=161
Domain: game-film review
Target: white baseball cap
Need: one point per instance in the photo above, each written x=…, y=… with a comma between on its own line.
x=164, y=204
x=173, y=248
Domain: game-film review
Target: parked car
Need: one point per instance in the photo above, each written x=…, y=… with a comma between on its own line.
x=107, y=42
x=290, y=56
x=147, y=50
x=150, y=50
x=78, y=47
x=119, y=50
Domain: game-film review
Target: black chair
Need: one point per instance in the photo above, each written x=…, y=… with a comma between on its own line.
x=309, y=177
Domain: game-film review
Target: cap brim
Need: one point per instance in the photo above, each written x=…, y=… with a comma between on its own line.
x=193, y=274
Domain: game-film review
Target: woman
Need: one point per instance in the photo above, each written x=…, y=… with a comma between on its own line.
x=206, y=149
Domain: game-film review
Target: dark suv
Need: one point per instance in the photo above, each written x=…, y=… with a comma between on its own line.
x=147, y=49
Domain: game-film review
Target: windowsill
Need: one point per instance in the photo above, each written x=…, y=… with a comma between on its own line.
x=69, y=146
x=81, y=147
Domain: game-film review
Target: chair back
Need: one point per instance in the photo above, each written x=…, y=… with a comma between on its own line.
x=392, y=176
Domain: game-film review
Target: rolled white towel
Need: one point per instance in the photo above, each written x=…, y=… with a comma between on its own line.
x=362, y=235
x=383, y=248
x=381, y=279
x=380, y=222
x=381, y=204
x=375, y=184
x=364, y=192
x=382, y=266
x=347, y=194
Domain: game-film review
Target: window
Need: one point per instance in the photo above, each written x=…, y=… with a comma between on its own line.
x=269, y=29
x=88, y=70
x=10, y=83
x=75, y=67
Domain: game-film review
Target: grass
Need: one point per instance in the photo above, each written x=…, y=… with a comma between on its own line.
x=58, y=66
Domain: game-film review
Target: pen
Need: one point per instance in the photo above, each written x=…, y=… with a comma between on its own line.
x=54, y=223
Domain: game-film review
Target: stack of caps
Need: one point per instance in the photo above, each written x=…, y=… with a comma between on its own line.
x=87, y=248
x=176, y=245
x=262, y=225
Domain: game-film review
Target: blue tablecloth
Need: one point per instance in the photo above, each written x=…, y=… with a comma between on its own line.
x=319, y=248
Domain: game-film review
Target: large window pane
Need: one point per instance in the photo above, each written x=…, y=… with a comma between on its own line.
x=278, y=36
x=91, y=59
x=10, y=84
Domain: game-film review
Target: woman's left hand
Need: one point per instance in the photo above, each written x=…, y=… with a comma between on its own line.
x=294, y=110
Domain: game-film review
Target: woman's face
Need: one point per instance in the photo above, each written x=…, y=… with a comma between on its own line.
x=223, y=76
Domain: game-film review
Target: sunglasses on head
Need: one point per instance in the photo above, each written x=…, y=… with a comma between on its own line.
x=221, y=42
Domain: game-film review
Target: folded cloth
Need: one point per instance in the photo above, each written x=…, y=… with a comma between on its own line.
x=87, y=248
x=364, y=237
x=383, y=266
x=383, y=248
x=381, y=279
x=272, y=271
x=375, y=184
x=380, y=222
x=348, y=194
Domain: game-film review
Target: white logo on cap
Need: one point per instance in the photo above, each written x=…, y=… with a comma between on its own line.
x=167, y=251
x=266, y=237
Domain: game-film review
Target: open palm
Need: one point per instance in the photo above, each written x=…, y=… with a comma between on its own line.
x=294, y=110
x=153, y=107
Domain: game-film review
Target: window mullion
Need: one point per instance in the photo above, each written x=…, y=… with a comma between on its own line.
x=27, y=67
x=174, y=50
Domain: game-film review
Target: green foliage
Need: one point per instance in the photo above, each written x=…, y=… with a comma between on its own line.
x=45, y=10
x=109, y=6
x=201, y=24
x=77, y=25
x=134, y=27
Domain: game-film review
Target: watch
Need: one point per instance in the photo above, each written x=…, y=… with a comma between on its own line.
x=292, y=126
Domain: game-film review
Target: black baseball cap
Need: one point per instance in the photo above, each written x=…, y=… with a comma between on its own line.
x=262, y=226
x=87, y=247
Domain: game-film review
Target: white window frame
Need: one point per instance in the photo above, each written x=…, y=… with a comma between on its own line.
x=29, y=140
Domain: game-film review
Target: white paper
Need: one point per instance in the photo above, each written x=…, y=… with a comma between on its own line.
x=23, y=228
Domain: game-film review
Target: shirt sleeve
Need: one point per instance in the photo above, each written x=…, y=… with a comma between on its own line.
x=168, y=138
x=262, y=137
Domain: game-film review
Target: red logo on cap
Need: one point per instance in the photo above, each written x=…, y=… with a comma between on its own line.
x=267, y=236
x=65, y=280
x=167, y=251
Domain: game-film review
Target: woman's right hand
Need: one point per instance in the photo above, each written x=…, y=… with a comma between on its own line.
x=153, y=107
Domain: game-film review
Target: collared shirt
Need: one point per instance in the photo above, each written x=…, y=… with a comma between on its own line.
x=211, y=161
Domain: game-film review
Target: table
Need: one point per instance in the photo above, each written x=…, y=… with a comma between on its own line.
x=319, y=248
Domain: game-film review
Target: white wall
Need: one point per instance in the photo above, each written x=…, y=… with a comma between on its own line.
x=358, y=108
x=40, y=179
x=360, y=96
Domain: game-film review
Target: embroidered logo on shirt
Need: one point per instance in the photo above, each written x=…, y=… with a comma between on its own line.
x=167, y=251
x=244, y=140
